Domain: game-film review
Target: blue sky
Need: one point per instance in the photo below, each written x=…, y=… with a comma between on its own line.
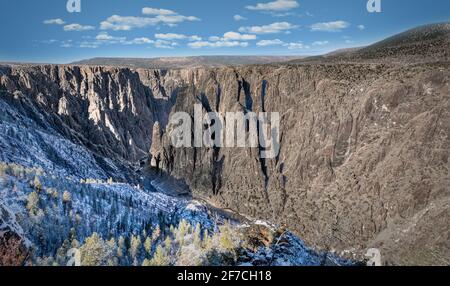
x=44, y=31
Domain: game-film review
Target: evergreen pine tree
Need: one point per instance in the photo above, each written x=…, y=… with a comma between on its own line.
x=207, y=242
x=197, y=235
x=32, y=203
x=95, y=252
x=225, y=237
x=135, y=246
x=160, y=258
x=156, y=234
x=148, y=245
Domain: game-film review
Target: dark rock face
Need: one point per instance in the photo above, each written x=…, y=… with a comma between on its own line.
x=364, y=147
x=364, y=155
x=364, y=158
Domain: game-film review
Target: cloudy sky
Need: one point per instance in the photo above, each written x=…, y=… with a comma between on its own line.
x=44, y=31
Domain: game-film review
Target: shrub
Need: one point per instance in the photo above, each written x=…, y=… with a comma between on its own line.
x=67, y=197
x=36, y=184
x=32, y=203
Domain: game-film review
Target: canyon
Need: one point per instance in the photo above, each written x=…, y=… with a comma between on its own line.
x=364, y=139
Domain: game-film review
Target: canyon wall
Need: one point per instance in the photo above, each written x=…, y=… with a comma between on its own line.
x=109, y=110
x=364, y=159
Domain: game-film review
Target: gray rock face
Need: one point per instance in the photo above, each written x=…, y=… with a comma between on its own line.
x=363, y=162
x=110, y=110
x=364, y=158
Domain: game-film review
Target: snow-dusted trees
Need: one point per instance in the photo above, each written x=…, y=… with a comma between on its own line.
x=156, y=234
x=110, y=224
x=36, y=183
x=135, y=248
x=148, y=245
x=96, y=252
x=32, y=203
x=160, y=258
x=67, y=201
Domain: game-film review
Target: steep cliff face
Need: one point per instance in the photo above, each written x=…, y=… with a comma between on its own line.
x=364, y=147
x=109, y=110
x=363, y=161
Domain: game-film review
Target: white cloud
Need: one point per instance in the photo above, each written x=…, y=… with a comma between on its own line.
x=239, y=18
x=265, y=43
x=141, y=41
x=282, y=14
x=218, y=44
x=77, y=28
x=277, y=5
x=195, y=38
x=175, y=19
x=214, y=38
x=162, y=44
x=273, y=28
x=89, y=45
x=120, y=23
x=54, y=22
x=51, y=41
x=66, y=44
x=278, y=42
x=295, y=46
x=335, y=26
x=160, y=16
x=172, y=36
x=105, y=37
x=153, y=11
x=320, y=43
x=234, y=36
x=361, y=27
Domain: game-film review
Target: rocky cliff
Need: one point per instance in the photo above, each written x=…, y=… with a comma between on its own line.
x=364, y=159
x=363, y=162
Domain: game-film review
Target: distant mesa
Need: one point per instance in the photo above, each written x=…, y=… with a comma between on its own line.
x=186, y=62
